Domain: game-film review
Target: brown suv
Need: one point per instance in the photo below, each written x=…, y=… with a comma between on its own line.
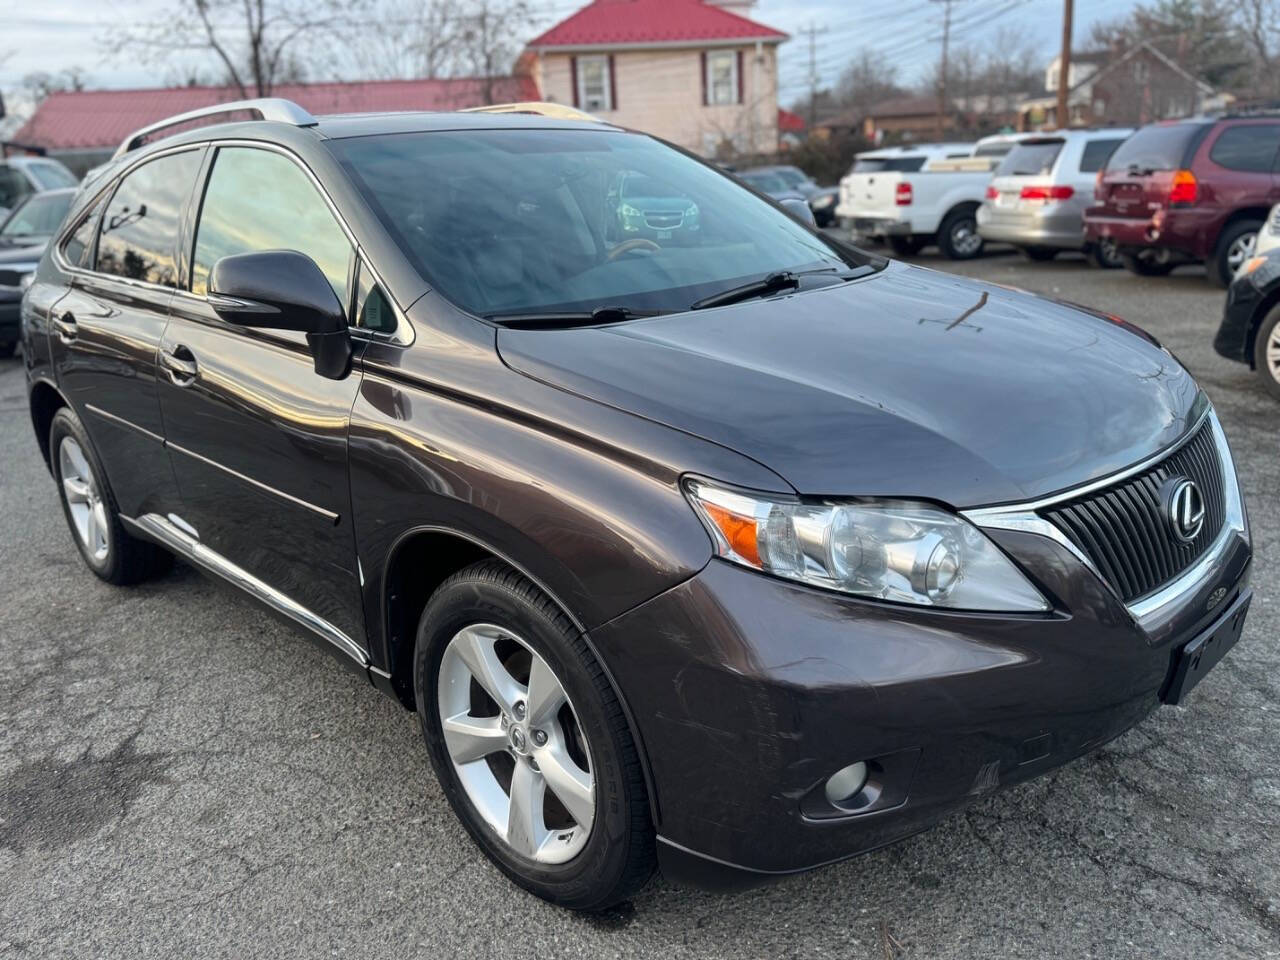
x=1194, y=190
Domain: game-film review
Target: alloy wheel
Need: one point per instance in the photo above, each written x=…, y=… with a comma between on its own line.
x=965, y=238
x=84, y=500
x=1241, y=249
x=515, y=742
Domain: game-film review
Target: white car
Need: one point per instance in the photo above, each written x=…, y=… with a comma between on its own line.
x=1037, y=197
x=914, y=196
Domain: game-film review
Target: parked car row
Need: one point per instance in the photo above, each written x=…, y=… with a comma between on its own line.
x=1250, y=330
x=24, y=233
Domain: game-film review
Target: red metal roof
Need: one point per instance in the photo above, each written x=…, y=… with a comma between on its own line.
x=789, y=122
x=100, y=119
x=623, y=23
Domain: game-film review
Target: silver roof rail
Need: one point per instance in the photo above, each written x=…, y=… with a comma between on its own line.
x=266, y=108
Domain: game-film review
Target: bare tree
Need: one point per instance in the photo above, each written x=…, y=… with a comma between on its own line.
x=404, y=39
x=35, y=87
x=869, y=79
x=490, y=35
x=254, y=44
x=1260, y=24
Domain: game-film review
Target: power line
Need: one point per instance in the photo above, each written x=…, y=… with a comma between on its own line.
x=812, y=31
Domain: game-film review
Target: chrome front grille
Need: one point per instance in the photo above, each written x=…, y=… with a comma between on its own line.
x=1125, y=530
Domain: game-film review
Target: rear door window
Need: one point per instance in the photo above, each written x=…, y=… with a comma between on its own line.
x=1096, y=153
x=1030, y=158
x=138, y=238
x=1250, y=148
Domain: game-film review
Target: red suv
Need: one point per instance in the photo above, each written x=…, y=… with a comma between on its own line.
x=1188, y=190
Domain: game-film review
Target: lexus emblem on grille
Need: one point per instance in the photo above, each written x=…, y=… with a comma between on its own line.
x=1185, y=508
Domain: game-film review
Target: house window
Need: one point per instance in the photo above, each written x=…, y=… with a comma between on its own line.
x=722, y=77
x=1141, y=71
x=594, y=83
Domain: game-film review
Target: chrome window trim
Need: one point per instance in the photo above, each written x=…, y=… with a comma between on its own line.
x=404, y=335
x=169, y=534
x=1145, y=610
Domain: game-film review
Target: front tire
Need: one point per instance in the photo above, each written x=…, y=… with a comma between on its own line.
x=958, y=237
x=1235, y=246
x=529, y=741
x=1266, y=353
x=91, y=510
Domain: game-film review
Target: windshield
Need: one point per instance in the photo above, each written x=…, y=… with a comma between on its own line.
x=39, y=216
x=540, y=221
x=1030, y=158
x=887, y=164
x=1158, y=147
x=51, y=176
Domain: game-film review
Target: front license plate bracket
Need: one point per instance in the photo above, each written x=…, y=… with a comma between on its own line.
x=1203, y=653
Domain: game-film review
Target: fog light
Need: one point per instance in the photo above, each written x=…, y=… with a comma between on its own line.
x=846, y=783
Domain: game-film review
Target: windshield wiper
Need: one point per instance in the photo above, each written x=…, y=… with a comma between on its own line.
x=542, y=321
x=773, y=283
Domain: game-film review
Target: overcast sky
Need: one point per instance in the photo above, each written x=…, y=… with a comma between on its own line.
x=55, y=34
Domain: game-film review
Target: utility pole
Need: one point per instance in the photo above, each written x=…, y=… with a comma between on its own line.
x=1064, y=67
x=940, y=120
x=812, y=31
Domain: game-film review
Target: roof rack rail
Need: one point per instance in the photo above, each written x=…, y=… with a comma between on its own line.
x=266, y=108
x=539, y=107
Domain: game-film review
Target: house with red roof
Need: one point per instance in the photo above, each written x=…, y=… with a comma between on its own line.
x=699, y=73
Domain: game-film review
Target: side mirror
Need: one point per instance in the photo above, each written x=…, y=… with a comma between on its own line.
x=799, y=209
x=284, y=290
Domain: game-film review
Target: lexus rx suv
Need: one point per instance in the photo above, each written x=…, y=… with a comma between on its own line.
x=1188, y=191
x=734, y=558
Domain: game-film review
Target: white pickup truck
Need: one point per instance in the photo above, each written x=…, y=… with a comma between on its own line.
x=912, y=196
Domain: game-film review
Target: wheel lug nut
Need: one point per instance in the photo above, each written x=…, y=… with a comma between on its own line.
x=519, y=709
x=540, y=737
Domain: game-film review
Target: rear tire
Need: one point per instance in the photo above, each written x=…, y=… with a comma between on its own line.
x=905, y=246
x=1148, y=263
x=1105, y=256
x=1039, y=254
x=1235, y=246
x=958, y=237
x=1266, y=353
x=91, y=510
x=492, y=608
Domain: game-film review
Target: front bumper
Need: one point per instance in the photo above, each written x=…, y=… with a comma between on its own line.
x=1051, y=227
x=1242, y=313
x=750, y=692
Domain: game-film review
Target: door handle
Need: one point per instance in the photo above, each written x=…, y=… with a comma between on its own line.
x=180, y=363
x=66, y=326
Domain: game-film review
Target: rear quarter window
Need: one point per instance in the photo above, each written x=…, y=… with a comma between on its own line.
x=1096, y=153
x=1249, y=148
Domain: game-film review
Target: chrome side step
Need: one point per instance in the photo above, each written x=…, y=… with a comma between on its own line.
x=170, y=535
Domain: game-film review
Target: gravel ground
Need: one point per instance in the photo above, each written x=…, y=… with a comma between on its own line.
x=181, y=776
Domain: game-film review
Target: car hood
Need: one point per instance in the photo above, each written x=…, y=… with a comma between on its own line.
x=909, y=383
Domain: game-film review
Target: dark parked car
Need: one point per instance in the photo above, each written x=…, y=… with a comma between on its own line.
x=795, y=179
x=823, y=203
x=1250, y=330
x=734, y=558
x=22, y=176
x=1188, y=191
x=647, y=209
x=771, y=184
x=23, y=235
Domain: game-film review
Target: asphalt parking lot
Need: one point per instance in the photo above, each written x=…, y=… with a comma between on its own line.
x=182, y=776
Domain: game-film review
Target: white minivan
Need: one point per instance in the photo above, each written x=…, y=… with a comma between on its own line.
x=1037, y=197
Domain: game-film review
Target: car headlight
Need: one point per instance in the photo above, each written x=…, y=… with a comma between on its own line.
x=897, y=550
x=824, y=201
x=628, y=210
